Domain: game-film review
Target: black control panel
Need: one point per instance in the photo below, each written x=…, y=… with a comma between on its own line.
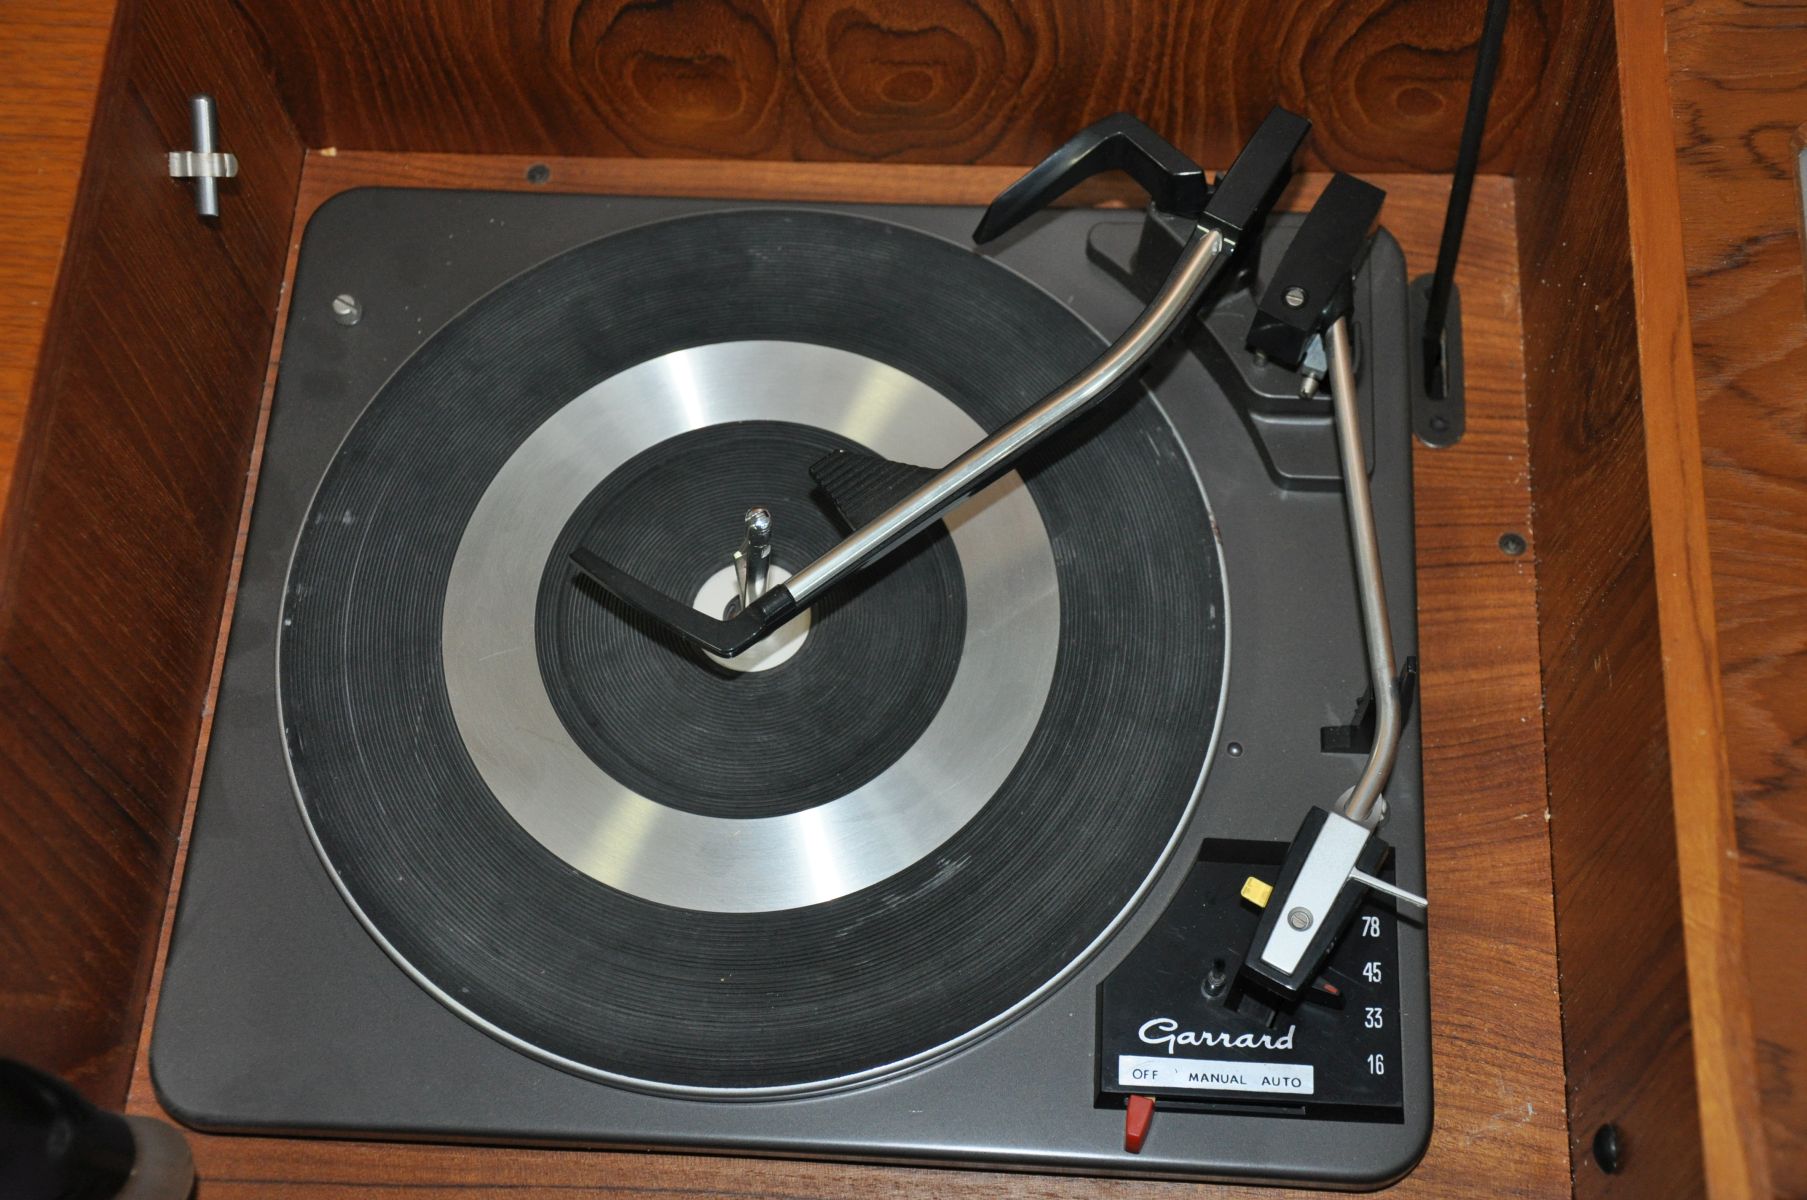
x=1181, y=1020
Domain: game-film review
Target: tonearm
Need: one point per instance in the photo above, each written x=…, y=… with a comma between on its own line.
x=1335, y=853
x=1226, y=217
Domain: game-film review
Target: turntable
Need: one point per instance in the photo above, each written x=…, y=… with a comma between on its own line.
x=775, y=678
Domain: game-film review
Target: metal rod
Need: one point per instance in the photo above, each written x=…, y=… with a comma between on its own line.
x=1381, y=885
x=206, y=129
x=1376, y=628
x=1198, y=264
x=1455, y=219
x=755, y=556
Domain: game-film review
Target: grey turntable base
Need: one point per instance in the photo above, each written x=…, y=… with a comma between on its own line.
x=279, y=1012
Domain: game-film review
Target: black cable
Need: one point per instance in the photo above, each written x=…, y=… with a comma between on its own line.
x=1486, y=64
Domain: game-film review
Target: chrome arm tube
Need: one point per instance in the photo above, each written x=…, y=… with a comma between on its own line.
x=1376, y=628
x=1198, y=265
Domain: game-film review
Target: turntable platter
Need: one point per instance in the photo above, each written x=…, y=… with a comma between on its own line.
x=644, y=865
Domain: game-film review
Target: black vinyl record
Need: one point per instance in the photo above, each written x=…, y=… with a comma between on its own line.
x=608, y=983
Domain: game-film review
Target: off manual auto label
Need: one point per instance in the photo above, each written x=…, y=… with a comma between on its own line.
x=1138, y=1071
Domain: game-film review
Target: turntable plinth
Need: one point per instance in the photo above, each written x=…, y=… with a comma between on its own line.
x=1507, y=1117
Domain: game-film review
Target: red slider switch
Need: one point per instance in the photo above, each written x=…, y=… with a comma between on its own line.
x=1136, y=1121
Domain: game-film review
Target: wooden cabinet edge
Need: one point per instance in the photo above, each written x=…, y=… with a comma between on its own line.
x=1706, y=838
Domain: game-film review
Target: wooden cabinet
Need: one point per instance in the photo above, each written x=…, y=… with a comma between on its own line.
x=1613, y=719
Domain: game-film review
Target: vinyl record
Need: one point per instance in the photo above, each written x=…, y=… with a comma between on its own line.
x=891, y=834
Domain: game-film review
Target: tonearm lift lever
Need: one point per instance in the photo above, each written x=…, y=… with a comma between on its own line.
x=890, y=502
x=1335, y=854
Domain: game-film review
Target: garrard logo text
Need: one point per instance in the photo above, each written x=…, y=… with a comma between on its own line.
x=1164, y=1031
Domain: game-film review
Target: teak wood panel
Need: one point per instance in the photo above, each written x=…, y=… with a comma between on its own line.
x=943, y=81
x=1725, y=1069
x=1737, y=74
x=1619, y=922
x=1656, y=1026
x=1500, y=1120
x=115, y=551
x=50, y=58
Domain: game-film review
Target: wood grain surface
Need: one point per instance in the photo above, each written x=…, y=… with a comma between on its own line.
x=1737, y=77
x=947, y=81
x=1736, y=1159
x=113, y=557
x=1500, y=1121
x=1625, y=1000
x=115, y=551
x=50, y=58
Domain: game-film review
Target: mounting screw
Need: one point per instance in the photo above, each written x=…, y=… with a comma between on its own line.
x=1299, y=918
x=1295, y=297
x=539, y=173
x=1234, y=749
x=1512, y=543
x=1609, y=1151
x=347, y=310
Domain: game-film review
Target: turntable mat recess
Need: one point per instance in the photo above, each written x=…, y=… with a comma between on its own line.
x=612, y=985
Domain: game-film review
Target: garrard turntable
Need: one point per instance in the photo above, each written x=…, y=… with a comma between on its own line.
x=775, y=679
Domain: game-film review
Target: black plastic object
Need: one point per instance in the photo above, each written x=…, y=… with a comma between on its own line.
x=1326, y=932
x=1294, y=434
x=1439, y=412
x=1246, y=193
x=860, y=487
x=1235, y=207
x=723, y=638
x=1357, y=737
x=54, y=1145
x=1174, y=182
x=1139, y=256
x=1331, y=1052
x=1433, y=330
x=1315, y=285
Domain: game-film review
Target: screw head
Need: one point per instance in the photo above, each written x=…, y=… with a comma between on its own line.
x=1609, y=1148
x=1295, y=297
x=539, y=173
x=1300, y=919
x=347, y=310
x=1234, y=749
x=1513, y=544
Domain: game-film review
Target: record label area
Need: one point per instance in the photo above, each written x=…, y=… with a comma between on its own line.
x=1029, y=800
